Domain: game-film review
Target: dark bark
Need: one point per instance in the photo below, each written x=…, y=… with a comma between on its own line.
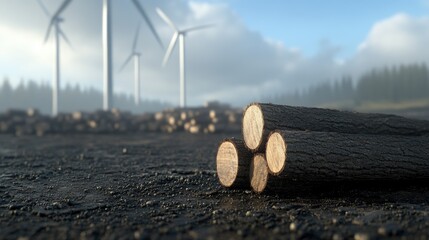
x=285, y=117
x=326, y=157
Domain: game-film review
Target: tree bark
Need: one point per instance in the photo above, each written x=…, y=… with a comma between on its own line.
x=326, y=157
x=233, y=163
x=261, y=118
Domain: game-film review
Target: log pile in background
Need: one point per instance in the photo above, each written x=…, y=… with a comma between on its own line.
x=288, y=145
x=213, y=118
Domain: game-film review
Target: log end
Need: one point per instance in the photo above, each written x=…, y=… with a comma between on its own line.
x=227, y=163
x=258, y=173
x=253, y=126
x=276, y=153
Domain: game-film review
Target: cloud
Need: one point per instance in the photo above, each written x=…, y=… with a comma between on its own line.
x=400, y=39
x=20, y=55
x=239, y=65
x=228, y=62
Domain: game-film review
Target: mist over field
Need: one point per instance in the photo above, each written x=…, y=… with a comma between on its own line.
x=72, y=98
x=405, y=86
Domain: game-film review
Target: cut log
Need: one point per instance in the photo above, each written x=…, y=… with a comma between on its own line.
x=259, y=173
x=260, y=119
x=224, y=128
x=322, y=156
x=260, y=178
x=233, y=163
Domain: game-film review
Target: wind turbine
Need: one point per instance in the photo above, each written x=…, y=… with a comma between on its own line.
x=181, y=35
x=107, y=49
x=136, y=55
x=55, y=23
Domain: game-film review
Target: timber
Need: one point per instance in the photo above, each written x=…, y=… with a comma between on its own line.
x=261, y=180
x=233, y=163
x=330, y=156
x=259, y=119
x=259, y=173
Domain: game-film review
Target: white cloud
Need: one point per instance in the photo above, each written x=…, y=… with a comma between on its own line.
x=400, y=39
x=228, y=62
x=20, y=54
x=399, y=33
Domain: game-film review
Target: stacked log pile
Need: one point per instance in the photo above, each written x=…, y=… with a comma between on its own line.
x=284, y=146
x=207, y=119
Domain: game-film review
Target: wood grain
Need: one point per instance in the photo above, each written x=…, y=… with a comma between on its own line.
x=258, y=173
x=233, y=163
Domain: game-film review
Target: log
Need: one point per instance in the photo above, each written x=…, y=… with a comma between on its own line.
x=194, y=129
x=328, y=156
x=223, y=128
x=233, y=163
x=260, y=119
x=260, y=178
x=259, y=175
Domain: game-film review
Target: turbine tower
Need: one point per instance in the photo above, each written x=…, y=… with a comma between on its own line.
x=107, y=57
x=55, y=21
x=179, y=34
x=107, y=49
x=136, y=55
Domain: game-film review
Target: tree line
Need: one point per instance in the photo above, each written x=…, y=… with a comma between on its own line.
x=72, y=98
x=389, y=84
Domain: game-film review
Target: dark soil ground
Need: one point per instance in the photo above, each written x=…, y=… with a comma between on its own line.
x=165, y=186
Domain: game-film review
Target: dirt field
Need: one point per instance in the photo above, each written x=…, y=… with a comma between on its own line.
x=165, y=186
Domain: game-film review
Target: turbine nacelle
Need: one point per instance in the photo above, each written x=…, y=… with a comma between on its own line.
x=136, y=56
x=55, y=16
x=59, y=19
x=55, y=21
x=178, y=34
x=134, y=51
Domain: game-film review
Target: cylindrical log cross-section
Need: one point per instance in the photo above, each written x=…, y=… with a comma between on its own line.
x=326, y=156
x=233, y=163
x=259, y=174
x=261, y=180
x=260, y=119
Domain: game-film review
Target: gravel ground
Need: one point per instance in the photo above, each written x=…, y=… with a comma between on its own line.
x=150, y=186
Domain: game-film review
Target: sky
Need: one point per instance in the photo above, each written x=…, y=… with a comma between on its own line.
x=304, y=24
x=255, y=49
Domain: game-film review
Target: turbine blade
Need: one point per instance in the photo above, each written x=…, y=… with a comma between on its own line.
x=149, y=23
x=198, y=27
x=166, y=19
x=170, y=48
x=48, y=32
x=63, y=35
x=136, y=37
x=45, y=10
x=126, y=62
x=55, y=17
x=60, y=9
